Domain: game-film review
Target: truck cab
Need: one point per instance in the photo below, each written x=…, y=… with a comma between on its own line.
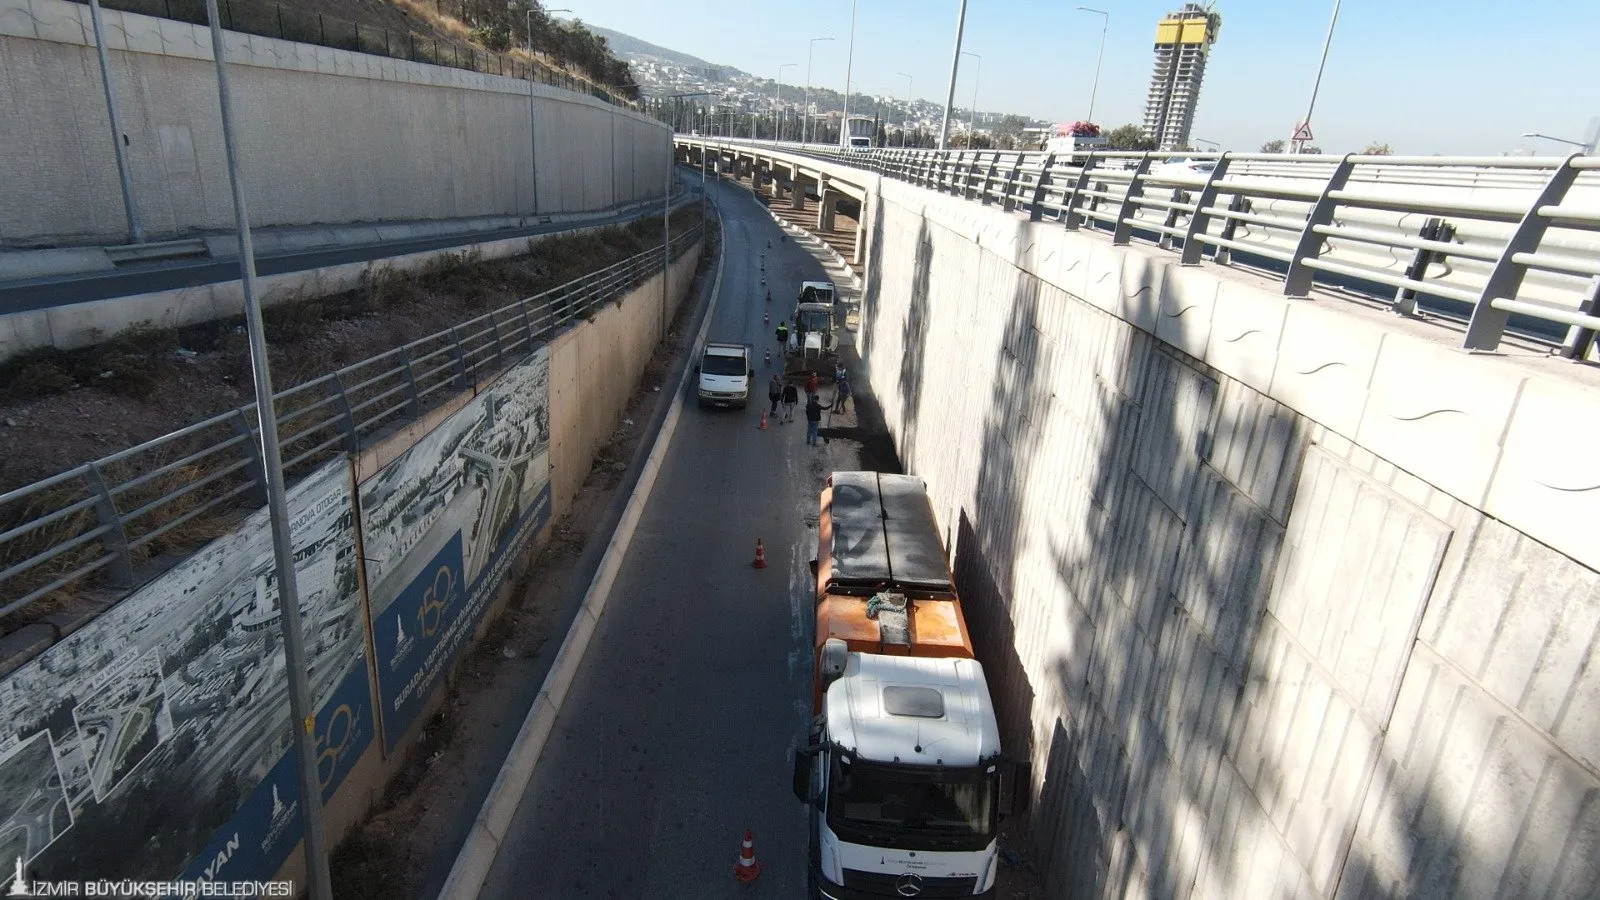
x=902, y=769
x=725, y=371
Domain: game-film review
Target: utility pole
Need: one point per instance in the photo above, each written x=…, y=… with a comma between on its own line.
x=302, y=712
x=1295, y=143
x=135, y=232
x=844, y=121
x=805, y=126
x=955, y=66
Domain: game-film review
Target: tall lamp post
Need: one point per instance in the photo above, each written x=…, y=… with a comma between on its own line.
x=777, y=113
x=908, y=107
x=976, y=72
x=302, y=707
x=1295, y=142
x=666, y=208
x=955, y=66
x=805, y=127
x=849, y=61
x=1104, y=24
x=1586, y=148
x=531, y=11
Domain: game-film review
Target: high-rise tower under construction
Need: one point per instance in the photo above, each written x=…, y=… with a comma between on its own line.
x=1183, y=40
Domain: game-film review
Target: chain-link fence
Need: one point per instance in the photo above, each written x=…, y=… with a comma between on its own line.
x=270, y=19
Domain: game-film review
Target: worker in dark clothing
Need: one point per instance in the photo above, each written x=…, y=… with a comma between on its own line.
x=775, y=392
x=841, y=395
x=783, y=334
x=813, y=419
x=791, y=396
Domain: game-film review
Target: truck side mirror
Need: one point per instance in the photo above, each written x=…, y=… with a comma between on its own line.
x=813, y=568
x=802, y=776
x=697, y=368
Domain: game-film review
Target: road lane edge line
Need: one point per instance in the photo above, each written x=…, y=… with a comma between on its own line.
x=482, y=846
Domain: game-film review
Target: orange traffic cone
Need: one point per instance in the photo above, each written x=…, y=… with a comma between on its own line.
x=746, y=869
x=766, y=318
x=761, y=556
x=767, y=361
x=763, y=425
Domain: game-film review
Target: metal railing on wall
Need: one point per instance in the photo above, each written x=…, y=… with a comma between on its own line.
x=96, y=520
x=1500, y=244
x=270, y=19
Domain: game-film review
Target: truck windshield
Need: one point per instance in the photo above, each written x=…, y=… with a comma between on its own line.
x=722, y=365
x=814, y=319
x=910, y=807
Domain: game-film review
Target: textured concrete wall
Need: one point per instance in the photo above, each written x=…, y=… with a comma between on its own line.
x=325, y=136
x=1284, y=599
x=594, y=374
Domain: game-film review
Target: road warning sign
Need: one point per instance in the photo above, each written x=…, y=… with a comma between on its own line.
x=1302, y=132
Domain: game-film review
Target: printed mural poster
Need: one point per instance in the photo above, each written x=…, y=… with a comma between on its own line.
x=441, y=523
x=152, y=735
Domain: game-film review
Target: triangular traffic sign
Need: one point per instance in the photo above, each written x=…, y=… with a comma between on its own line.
x=1303, y=132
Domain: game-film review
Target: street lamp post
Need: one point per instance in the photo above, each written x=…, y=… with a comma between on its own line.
x=1204, y=141
x=531, y=11
x=124, y=172
x=1295, y=143
x=666, y=210
x=976, y=72
x=1104, y=24
x=849, y=61
x=302, y=707
x=908, y=108
x=777, y=113
x=955, y=66
x=805, y=127
x=1586, y=148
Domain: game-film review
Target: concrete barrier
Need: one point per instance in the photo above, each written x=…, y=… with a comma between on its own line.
x=1284, y=597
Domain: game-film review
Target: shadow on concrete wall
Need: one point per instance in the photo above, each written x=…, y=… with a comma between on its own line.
x=913, y=346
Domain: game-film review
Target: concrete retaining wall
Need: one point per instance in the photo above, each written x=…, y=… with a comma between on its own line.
x=325, y=135
x=1284, y=598
x=594, y=369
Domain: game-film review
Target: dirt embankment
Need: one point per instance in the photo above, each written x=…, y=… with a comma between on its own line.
x=60, y=409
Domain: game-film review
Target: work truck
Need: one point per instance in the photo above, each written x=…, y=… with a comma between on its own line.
x=902, y=769
x=725, y=370
x=813, y=343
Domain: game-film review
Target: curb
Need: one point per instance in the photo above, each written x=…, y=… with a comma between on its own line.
x=483, y=842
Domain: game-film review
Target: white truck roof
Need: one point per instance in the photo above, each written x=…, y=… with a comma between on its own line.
x=912, y=709
x=716, y=349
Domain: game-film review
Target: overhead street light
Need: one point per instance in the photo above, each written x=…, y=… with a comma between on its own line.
x=975, y=74
x=777, y=113
x=908, y=107
x=1585, y=147
x=531, y=11
x=955, y=66
x=1295, y=142
x=849, y=60
x=1104, y=24
x=302, y=705
x=1204, y=141
x=666, y=206
x=805, y=126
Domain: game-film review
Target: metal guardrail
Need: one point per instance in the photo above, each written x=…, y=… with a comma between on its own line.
x=1496, y=243
x=98, y=517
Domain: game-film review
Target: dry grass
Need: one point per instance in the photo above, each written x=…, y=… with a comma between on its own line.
x=307, y=339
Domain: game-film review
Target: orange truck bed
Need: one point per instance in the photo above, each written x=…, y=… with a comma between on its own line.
x=877, y=535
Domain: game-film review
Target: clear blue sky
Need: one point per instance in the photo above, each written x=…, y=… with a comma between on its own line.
x=1456, y=77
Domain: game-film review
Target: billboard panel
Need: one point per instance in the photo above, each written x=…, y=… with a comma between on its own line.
x=440, y=525
x=128, y=744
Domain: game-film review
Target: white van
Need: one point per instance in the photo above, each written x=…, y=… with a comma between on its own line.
x=725, y=371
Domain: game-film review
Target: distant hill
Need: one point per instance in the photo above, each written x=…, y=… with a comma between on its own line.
x=626, y=45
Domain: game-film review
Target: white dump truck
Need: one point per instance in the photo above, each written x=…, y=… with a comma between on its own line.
x=902, y=769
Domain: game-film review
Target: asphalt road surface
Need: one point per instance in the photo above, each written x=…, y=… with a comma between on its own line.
x=677, y=733
x=131, y=280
